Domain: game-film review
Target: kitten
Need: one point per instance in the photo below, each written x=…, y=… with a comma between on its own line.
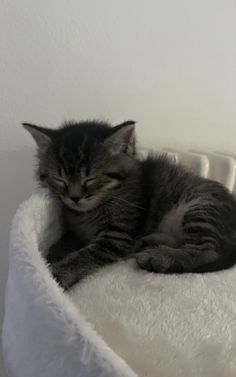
x=115, y=204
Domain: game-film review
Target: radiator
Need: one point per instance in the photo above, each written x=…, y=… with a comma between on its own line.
x=217, y=166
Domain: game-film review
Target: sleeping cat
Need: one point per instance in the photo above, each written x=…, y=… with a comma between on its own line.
x=116, y=205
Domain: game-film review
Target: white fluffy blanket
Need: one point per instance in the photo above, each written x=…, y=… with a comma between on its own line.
x=120, y=322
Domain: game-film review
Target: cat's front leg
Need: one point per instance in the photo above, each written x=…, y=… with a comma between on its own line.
x=67, y=244
x=107, y=248
x=70, y=270
x=186, y=258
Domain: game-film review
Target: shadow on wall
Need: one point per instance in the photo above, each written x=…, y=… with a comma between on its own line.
x=16, y=185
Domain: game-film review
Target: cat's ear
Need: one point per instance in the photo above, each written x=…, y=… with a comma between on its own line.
x=42, y=136
x=122, y=139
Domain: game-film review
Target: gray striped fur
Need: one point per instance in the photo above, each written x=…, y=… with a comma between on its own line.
x=116, y=205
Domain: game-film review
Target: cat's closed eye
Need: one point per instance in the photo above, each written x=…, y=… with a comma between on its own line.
x=91, y=185
x=115, y=175
x=60, y=183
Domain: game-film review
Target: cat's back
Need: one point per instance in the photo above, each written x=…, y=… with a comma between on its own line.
x=169, y=182
x=162, y=176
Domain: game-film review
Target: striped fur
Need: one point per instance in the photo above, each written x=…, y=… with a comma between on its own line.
x=116, y=205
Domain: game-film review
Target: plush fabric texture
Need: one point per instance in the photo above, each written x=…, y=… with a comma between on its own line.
x=44, y=335
x=122, y=321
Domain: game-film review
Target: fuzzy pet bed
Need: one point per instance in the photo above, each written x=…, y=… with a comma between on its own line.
x=122, y=321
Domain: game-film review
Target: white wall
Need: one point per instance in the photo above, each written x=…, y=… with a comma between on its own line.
x=170, y=65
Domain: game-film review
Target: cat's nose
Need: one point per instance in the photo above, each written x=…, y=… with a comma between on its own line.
x=75, y=199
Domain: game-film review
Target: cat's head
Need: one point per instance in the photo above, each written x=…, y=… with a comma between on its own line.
x=83, y=163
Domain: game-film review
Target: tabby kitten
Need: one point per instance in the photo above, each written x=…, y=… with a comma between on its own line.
x=116, y=205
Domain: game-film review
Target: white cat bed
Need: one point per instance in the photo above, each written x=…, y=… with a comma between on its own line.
x=120, y=322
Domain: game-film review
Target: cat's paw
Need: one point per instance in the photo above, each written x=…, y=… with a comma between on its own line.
x=155, y=259
x=64, y=277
